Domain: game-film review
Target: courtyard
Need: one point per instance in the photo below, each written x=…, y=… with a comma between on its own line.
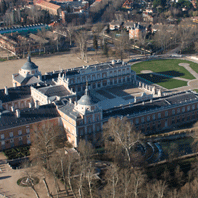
x=168, y=73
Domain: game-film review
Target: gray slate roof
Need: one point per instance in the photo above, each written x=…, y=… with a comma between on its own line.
x=28, y=116
x=68, y=109
x=29, y=65
x=57, y=90
x=85, y=100
x=15, y=93
x=177, y=99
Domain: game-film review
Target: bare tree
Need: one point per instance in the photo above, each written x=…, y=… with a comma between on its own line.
x=81, y=40
x=70, y=32
x=160, y=188
x=120, y=138
x=46, y=139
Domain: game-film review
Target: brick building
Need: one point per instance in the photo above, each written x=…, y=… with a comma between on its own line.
x=52, y=8
x=66, y=99
x=136, y=30
x=16, y=126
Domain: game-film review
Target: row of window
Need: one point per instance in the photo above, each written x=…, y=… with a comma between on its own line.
x=20, y=139
x=158, y=116
x=104, y=75
x=19, y=133
x=89, y=130
x=173, y=120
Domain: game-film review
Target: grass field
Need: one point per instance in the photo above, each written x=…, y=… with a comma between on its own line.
x=168, y=83
x=194, y=67
x=168, y=67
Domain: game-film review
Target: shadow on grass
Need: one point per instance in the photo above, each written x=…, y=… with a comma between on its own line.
x=154, y=78
x=172, y=73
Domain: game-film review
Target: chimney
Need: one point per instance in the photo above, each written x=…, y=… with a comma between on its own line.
x=113, y=62
x=36, y=104
x=15, y=84
x=17, y=113
x=6, y=90
x=30, y=105
x=12, y=108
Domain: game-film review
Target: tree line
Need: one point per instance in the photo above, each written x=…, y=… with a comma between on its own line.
x=120, y=171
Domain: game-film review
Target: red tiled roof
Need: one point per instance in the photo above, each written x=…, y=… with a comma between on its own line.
x=47, y=4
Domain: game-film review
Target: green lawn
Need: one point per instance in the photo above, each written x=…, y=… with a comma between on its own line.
x=173, y=83
x=194, y=67
x=168, y=66
x=168, y=83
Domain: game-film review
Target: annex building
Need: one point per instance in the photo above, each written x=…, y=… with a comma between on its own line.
x=82, y=99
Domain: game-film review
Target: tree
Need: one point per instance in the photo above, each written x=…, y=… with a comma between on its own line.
x=105, y=49
x=70, y=32
x=46, y=138
x=159, y=3
x=95, y=43
x=81, y=41
x=121, y=44
x=120, y=139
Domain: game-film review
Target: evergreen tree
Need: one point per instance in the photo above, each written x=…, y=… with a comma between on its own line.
x=95, y=43
x=105, y=49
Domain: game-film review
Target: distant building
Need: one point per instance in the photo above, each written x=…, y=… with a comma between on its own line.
x=136, y=30
x=115, y=25
x=50, y=7
x=128, y=4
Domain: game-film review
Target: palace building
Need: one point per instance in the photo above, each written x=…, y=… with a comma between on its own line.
x=83, y=99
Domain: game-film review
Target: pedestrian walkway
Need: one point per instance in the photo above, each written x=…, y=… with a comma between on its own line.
x=188, y=68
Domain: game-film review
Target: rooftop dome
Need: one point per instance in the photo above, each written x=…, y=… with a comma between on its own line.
x=29, y=65
x=86, y=99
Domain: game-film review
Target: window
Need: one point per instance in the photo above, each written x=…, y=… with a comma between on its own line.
x=89, y=120
x=2, y=142
x=97, y=118
x=173, y=111
x=159, y=124
x=98, y=128
x=12, y=140
x=178, y=119
x=20, y=132
x=153, y=116
x=148, y=127
x=28, y=142
x=11, y=134
x=193, y=107
x=143, y=128
x=178, y=110
x=166, y=113
x=173, y=120
x=188, y=108
x=27, y=130
x=89, y=130
x=142, y=119
x=159, y=115
x=183, y=109
x=183, y=118
x=137, y=121
x=20, y=138
x=148, y=118
x=81, y=131
x=2, y=136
